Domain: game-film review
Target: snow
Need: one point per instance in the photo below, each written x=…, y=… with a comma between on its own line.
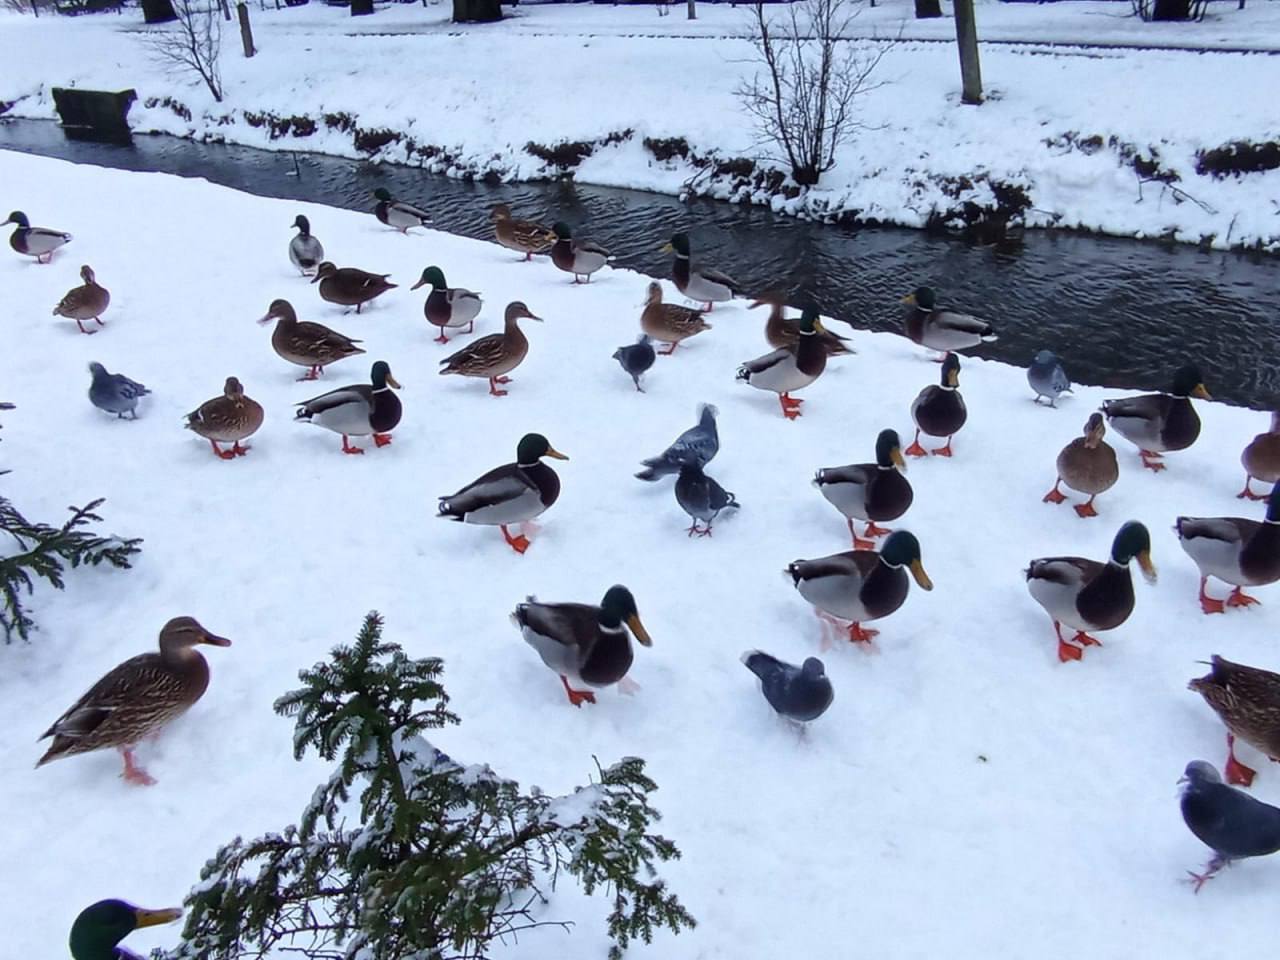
x=1057, y=76
x=965, y=789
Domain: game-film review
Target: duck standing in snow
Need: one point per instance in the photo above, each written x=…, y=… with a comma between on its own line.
x=307, y=344
x=359, y=410
x=1261, y=460
x=869, y=491
x=861, y=585
x=636, y=358
x=939, y=410
x=1157, y=423
x=38, y=242
x=586, y=645
x=582, y=258
x=229, y=418
x=1228, y=821
x=1089, y=596
x=99, y=928
x=114, y=392
x=800, y=694
x=305, y=251
x=512, y=493
x=89, y=301
x=496, y=355
x=1247, y=699
x=702, y=284
x=137, y=698
x=669, y=322
x=784, y=334
x=1047, y=377
x=702, y=498
x=943, y=330
x=523, y=236
x=785, y=371
x=1241, y=552
x=697, y=445
x=350, y=286
x=1088, y=465
x=448, y=307
x=398, y=214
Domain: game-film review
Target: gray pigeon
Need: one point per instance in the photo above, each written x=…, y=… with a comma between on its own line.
x=697, y=445
x=1047, y=378
x=1229, y=821
x=797, y=693
x=305, y=250
x=701, y=498
x=636, y=358
x=114, y=392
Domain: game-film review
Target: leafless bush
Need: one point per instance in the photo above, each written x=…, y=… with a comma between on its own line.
x=191, y=44
x=809, y=75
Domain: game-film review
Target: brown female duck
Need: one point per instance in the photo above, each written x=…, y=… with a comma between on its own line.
x=669, y=322
x=137, y=698
x=523, y=236
x=496, y=355
x=89, y=301
x=1086, y=464
x=349, y=286
x=305, y=343
x=1248, y=701
x=1159, y=422
x=784, y=334
x=1238, y=551
x=229, y=418
x=1261, y=459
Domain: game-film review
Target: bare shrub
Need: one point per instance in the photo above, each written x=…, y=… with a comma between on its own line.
x=192, y=44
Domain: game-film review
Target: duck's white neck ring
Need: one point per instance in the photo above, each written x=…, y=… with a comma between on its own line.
x=607, y=629
x=681, y=256
x=808, y=333
x=891, y=566
x=526, y=466
x=947, y=388
x=1269, y=520
x=885, y=466
x=381, y=389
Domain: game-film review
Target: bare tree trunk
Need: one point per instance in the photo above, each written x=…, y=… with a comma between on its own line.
x=967, y=38
x=246, y=32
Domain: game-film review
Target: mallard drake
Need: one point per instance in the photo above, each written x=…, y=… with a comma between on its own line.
x=229, y=418
x=1089, y=596
x=939, y=410
x=512, y=493
x=359, y=410
x=495, y=355
x=349, y=286
x=784, y=371
x=305, y=251
x=89, y=301
x=586, y=645
x=669, y=322
x=1247, y=699
x=448, y=306
x=582, y=258
x=1243, y=553
x=137, y=698
x=30, y=241
x=100, y=928
x=1160, y=422
x=1261, y=459
x=704, y=284
x=860, y=585
x=784, y=334
x=1087, y=464
x=305, y=343
x=942, y=330
x=523, y=236
x=397, y=213
x=869, y=491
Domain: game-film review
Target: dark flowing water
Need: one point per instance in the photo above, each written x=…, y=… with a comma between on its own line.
x=1119, y=312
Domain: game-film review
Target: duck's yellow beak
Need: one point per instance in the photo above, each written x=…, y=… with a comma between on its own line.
x=393, y=382
x=1201, y=392
x=817, y=325
x=909, y=298
x=153, y=918
x=556, y=454
x=898, y=459
x=922, y=578
x=1148, y=568
x=638, y=629
x=668, y=248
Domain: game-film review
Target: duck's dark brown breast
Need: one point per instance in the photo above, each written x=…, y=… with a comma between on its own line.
x=1181, y=426
x=386, y=411
x=889, y=494
x=562, y=254
x=1108, y=600
x=942, y=413
x=1260, y=557
x=884, y=590
x=546, y=480
x=609, y=660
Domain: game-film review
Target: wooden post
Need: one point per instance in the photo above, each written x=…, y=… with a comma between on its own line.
x=693, y=13
x=246, y=32
x=967, y=38
x=226, y=10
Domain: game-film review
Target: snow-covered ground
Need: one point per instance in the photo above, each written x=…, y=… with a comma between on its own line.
x=1063, y=123
x=966, y=792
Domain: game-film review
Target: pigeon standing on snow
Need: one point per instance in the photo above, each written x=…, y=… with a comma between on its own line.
x=114, y=392
x=697, y=445
x=797, y=693
x=305, y=250
x=1229, y=821
x=701, y=498
x=1047, y=378
x=636, y=358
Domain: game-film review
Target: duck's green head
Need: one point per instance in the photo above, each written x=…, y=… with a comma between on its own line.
x=381, y=376
x=562, y=230
x=922, y=297
x=383, y=194
x=1133, y=541
x=679, y=244
x=100, y=927
x=533, y=447
x=303, y=224
x=1187, y=382
x=951, y=371
x=902, y=549
x=889, y=450
x=19, y=218
x=433, y=276
x=618, y=607
x=1273, y=505
x=809, y=322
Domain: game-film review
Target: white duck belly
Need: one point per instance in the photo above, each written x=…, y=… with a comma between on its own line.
x=522, y=504
x=1217, y=555
x=464, y=307
x=779, y=372
x=350, y=418
x=560, y=657
x=848, y=496
x=837, y=595
x=1059, y=601
x=702, y=288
